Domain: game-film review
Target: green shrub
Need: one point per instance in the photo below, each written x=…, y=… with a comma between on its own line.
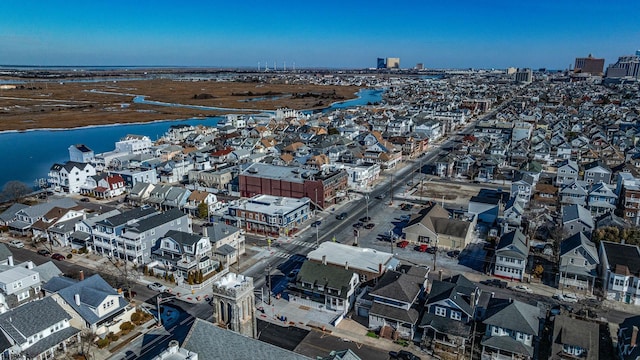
x=372, y=334
x=102, y=343
x=136, y=317
x=126, y=326
x=69, y=256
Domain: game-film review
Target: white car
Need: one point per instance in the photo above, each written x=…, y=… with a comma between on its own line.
x=16, y=244
x=157, y=287
x=523, y=288
x=571, y=298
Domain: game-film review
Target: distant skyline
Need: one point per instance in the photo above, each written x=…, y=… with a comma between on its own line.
x=329, y=34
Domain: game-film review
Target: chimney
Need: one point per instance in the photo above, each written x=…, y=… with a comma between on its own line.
x=440, y=274
x=77, y=299
x=380, y=268
x=346, y=265
x=634, y=336
x=10, y=258
x=81, y=275
x=472, y=300
x=324, y=259
x=204, y=231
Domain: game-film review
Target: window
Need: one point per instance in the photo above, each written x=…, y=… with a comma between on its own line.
x=456, y=315
x=440, y=311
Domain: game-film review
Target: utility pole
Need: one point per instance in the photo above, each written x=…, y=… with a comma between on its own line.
x=391, y=191
x=366, y=198
x=435, y=255
x=315, y=206
x=317, y=240
x=269, y=282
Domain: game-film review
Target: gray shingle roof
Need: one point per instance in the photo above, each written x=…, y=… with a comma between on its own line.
x=513, y=244
x=327, y=275
x=575, y=332
x=19, y=322
x=92, y=290
x=458, y=289
x=398, y=286
x=10, y=213
x=50, y=341
x=507, y=343
x=47, y=271
x=516, y=316
x=212, y=342
x=4, y=252
x=157, y=220
x=127, y=216
x=182, y=237
x=576, y=240
x=391, y=312
x=622, y=255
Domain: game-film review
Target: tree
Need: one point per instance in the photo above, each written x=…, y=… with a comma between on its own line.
x=123, y=272
x=538, y=270
x=203, y=210
x=14, y=190
x=87, y=337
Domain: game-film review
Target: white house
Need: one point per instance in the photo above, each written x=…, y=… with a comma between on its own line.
x=70, y=177
x=511, y=256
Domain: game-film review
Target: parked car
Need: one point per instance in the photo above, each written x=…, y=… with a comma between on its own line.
x=570, y=297
x=316, y=223
x=16, y=244
x=365, y=219
x=44, y=252
x=341, y=216
x=494, y=282
x=358, y=225
x=85, y=199
x=407, y=355
x=156, y=286
x=381, y=196
x=422, y=247
x=453, y=253
x=432, y=250
x=403, y=244
x=369, y=226
x=523, y=288
x=126, y=291
x=58, y=257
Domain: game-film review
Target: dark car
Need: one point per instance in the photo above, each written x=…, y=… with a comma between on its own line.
x=44, y=252
x=126, y=291
x=432, y=250
x=316, y=223
x=341, y=216
x=453, y=253
x=358, y=225
x=369, y=226
x=365, y=219
x=381, y=196
x=58, y=257
x=494, y=282
x=85, y=199
x=407, y=355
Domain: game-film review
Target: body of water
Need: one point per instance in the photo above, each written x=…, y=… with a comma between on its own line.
x=28, y=156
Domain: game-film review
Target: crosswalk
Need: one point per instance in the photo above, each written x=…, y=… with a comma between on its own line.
x=303, y=243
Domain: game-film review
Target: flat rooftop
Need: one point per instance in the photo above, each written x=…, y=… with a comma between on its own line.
x=357, y=258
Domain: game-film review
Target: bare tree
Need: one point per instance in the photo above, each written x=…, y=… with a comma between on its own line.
x=87, y=340
x=123, y=272
x=14, y=190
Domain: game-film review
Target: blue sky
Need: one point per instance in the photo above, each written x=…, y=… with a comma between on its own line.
x=337, y=34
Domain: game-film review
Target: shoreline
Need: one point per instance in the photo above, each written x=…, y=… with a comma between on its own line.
x=177, y=120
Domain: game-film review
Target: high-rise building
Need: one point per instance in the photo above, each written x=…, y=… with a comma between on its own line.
x=524, y=76
x=393, y=63
x=419, y=66
x=381, y=64
x=589, y=65
x=625, y=66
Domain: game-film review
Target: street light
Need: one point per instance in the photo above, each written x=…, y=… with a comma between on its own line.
x=161, y=300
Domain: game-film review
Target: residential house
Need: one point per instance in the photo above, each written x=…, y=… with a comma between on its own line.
x=185, y=253
x=522, y=187
x=432, y=225
x=227, y=242
x=324, y=287
x=449, y=313
x=92, y=303
x=9, y=214
x=81, y=153
x=70, y=177
x=512, y=331
x=597, y=171
x=45, y=338
x=628, y=191
x=576, y=218
x=511, y=256
x=487, y=204
x=104, y=186
x=134, y=176
x=602, y=199
x=176, y=198
x=84, y=228
x=395, y=302
x=574, y=339
x=18, y=284
x=139, y=193
x=574, y=193
x=107, y=231
x=568, y=172
x=138, y=238
x=198, y=197
x=26, y=217
x=579, y=263
x=59, y=219
x=620, y=272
